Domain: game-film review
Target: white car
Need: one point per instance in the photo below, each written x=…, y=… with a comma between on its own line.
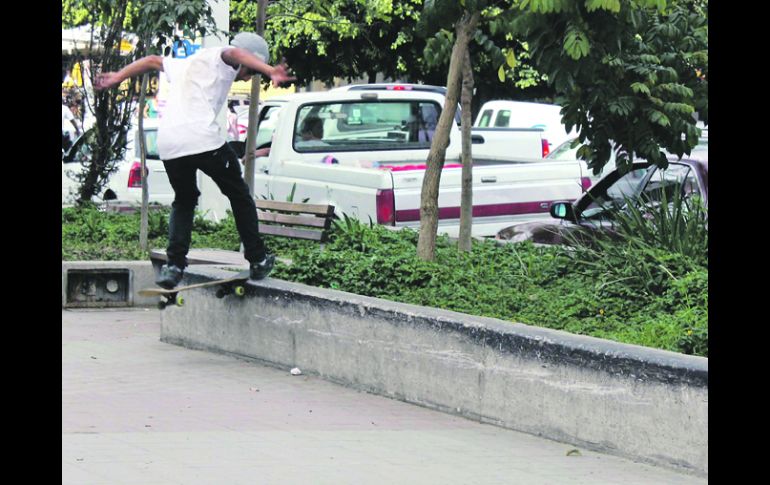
x=124, y=187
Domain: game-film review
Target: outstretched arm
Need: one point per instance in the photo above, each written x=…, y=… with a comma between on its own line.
x=236, y=57
x=140, y=66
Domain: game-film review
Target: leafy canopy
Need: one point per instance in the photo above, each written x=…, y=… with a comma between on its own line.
x=631, y=74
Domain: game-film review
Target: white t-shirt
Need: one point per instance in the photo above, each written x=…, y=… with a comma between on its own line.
x=198, y=88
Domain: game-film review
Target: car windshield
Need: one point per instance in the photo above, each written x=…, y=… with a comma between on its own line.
x=366, y=125
x=606, y=198
x=648, y=185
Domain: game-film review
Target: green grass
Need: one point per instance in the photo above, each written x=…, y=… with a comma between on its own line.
x=638, y=294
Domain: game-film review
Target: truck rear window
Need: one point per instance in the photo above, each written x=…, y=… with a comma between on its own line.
x=365, y=125
x=503, y=118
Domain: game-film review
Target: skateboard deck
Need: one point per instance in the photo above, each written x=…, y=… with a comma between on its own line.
x=226, y=286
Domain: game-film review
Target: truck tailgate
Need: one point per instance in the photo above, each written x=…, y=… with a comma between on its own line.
x=351, y=190
x=502, y=193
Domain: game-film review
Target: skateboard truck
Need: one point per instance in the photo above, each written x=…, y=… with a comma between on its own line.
x=226, y=289
x=171, y=299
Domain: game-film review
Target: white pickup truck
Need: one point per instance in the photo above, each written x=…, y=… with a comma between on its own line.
x=365, y=152
x=503, y=114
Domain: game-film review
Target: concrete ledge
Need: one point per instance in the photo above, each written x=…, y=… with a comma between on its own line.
x=644, y=404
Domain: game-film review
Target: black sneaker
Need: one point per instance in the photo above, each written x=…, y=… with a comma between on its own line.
x=258, y=271
x=169, y=277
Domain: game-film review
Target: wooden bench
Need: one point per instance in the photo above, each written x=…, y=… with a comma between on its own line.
x=295, y=220
x=286, y=219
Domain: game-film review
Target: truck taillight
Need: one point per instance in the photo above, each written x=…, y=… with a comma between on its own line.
x=546, y=147
x=135, y=176
x=386, y=207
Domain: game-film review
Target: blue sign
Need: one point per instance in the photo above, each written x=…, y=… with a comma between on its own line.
x=183, y=48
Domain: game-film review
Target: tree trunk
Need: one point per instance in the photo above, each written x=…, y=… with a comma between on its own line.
x=466, y=197
x=251, y=135
x=426, y=244
x=143, y=225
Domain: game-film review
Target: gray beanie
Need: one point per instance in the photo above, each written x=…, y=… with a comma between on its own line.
x=252, y=43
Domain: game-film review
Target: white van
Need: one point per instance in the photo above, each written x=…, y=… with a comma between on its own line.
x=124, y=187
x=521, y=114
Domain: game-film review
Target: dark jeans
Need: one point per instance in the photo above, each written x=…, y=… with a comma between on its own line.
x=223, y=167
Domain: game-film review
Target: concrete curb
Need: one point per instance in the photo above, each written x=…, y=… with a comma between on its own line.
x=644, y=404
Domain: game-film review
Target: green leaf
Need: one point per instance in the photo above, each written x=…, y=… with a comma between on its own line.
x=493, y=27
x=576, y=43
x=612, y=5
x=679, y=108
x=609, y=5
x=593, y=5
x=501, y=74
x=622, y=106
x=659, y=118
x=640, y=88
x=510, y=58
x=649, y=59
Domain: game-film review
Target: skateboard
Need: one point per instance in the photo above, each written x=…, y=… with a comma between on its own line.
x=226, y=286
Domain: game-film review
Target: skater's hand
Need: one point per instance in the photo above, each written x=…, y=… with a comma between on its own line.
x=280, y=75
x=262, y=152
x=107, y=80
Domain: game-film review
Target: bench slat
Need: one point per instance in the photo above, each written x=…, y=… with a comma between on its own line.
x=292, y=232
x=323, y=210
x=311, y=221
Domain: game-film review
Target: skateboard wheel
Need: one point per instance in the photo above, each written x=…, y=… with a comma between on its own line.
x=221, y=293
x=161, y=305
x=179, y=301
x=240, y=290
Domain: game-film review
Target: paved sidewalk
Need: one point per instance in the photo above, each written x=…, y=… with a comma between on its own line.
x=139, y=411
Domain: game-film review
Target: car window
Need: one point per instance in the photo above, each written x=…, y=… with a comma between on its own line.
x=365, y=125
x=666, y=183
x=267, y=125
x=503, y=118
x=151, y=144
x=486, y=117
x=565, y=151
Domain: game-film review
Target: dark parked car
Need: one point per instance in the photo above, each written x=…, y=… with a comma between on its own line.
x=593, y=210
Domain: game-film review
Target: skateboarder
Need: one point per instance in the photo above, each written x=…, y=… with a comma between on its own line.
x=190, y=139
